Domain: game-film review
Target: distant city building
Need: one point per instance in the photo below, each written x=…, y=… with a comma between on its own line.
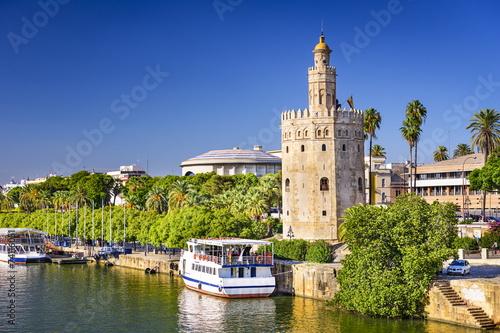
x=388, y=180
x=443, y=181
x=233, y=162
x=9, y=186
x=322, y=151
x=39, y=180
x=126, y=172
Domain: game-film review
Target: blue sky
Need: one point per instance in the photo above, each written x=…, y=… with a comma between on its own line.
x=99, y=84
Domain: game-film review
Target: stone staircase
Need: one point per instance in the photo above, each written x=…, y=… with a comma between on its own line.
x=476, y=313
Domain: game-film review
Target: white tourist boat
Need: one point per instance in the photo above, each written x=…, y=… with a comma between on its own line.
x=22, y=246
x=228, y=267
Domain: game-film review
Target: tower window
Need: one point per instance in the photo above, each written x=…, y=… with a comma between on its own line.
x=324, y=213
x=287, y=185
x=360, y=184
x=343, y=147
x=340, y=133
x=383, y=182
x=323, y=147
x=319, y=133
x=358, y=148
x=346, y=133
x=326, y=131
x=305, y=134
x=383, y=197
x=298, y=134
x=287, y=149
x=302, y=148
x=323, y=184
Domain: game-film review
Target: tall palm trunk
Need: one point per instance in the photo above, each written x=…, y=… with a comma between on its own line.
x=483, y=208
x=370, y=174
x=415, y=173
x=411, y=168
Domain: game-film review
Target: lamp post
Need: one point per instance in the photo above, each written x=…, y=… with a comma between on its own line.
x=290, y=233
x=467, y=203
x=463, y=187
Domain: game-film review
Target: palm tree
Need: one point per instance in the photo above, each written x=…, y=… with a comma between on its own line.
x=410, y=133
x=371, y=122
x=378, y=151
x=462, y=150
x=116, y=189
x=132, y=201
x=178, y=193
x=441, y=154
x=485, y=129
x=256, y=203
x=416, y=111
x=44, y=199
x=272, y=189
x=157, y=199
x=78, y=196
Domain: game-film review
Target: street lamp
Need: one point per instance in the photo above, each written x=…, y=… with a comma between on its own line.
x=290, y=233
x=463, y=187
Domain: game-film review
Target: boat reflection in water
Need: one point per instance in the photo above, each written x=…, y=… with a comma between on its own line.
x=204, y=313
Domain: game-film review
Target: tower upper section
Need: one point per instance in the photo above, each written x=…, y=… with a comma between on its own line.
x=322, y=79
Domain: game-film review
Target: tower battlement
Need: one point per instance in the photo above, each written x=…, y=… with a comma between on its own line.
x=332, y=112
x=327, y=69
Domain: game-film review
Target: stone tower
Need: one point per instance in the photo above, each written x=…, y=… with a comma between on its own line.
x=322, y=157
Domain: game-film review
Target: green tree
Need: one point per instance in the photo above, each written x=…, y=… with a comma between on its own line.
x=488, y=177
x=378, y=151
x=178, y=193
x=462, y=150
x=441, y=154
x=485, y=129
x=418, y=113
x=157, y=200
x=371, y=122
x=395, y=253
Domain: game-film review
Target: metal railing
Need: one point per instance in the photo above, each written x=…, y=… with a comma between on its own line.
x=248, y=260
x=472, y=254
x=493, y=254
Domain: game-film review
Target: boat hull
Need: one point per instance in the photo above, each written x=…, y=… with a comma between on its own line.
x=24, y=259
x=243, y=288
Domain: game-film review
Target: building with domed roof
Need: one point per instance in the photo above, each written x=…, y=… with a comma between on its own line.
x=233, y=162
x=322, y=157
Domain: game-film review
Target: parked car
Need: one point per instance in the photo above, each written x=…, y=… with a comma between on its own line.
x=459, y=267
x=491, y=219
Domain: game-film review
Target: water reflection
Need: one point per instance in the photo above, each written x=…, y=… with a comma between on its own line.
x=205, y=313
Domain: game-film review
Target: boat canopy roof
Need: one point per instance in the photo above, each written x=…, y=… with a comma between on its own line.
x=228, y=241
x=8, y=231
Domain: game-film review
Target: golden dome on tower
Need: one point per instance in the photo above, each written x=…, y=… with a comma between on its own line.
x=322, y=45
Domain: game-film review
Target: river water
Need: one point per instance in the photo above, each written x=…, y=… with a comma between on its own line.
x=93, y=298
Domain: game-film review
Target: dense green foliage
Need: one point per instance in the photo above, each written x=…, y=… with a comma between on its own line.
x=466, y=243
x=395, y=253
x=298, y=249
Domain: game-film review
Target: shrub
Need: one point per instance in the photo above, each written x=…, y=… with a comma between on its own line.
x=488, y=239
x=320, y=252
x=465, y=243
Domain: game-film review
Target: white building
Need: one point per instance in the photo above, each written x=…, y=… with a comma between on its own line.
x=7, y=187
x=233, y=162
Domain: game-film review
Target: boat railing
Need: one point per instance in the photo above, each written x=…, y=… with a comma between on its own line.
x=254, y=260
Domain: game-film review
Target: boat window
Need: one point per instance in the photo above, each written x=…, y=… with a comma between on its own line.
x=253, y=271
x=192, y=268
x=215, y=271
x=203, y=269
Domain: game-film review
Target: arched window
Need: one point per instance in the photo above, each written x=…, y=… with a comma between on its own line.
x=383, y=182
x=302, y=148
x=323, y=147
x=319, y=133
x=346, y=133
x=359, y=149
x=340, y=132
x=343, y=147
x=287, y=185
x=287, y=149
x=360, y=184
x=326, y=131
x=383, y=197
x=323, y=184
x=298, y=134
x=305, y=133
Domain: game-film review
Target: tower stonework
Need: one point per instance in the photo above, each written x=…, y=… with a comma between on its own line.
x=322, y=157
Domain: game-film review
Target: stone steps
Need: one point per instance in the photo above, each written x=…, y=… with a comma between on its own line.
x=480, y=318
